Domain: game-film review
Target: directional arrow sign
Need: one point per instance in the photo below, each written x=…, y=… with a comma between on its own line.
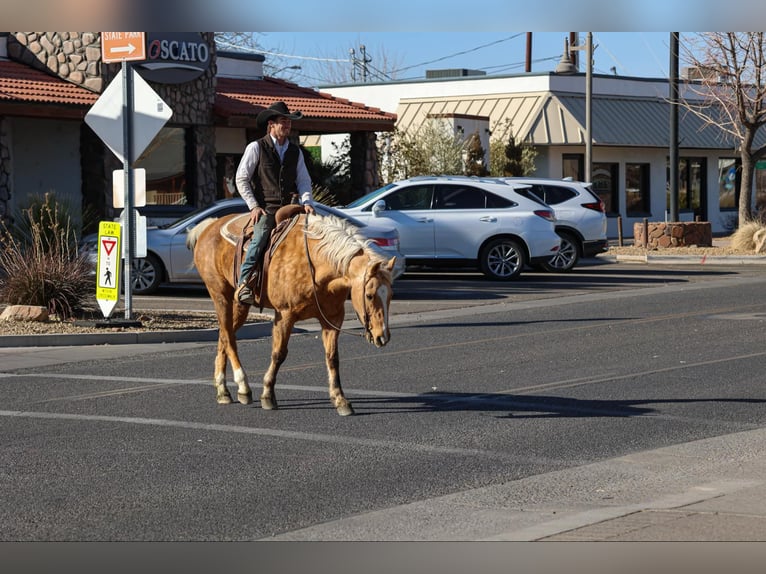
x=108, y=266
x=119, y=46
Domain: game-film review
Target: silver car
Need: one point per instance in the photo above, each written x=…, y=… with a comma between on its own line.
x=464, y=221
x=169, y=261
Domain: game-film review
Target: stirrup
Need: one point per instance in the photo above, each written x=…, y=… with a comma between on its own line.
x=244, y=294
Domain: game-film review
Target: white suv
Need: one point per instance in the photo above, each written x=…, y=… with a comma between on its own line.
x=464, y=221
x=580, y=218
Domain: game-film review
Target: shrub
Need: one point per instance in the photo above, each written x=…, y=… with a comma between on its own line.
x=40, y=264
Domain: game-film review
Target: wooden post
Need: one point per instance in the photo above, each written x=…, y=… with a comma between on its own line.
x=619, y=230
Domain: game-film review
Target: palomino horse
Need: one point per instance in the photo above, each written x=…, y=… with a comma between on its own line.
x=310, y=275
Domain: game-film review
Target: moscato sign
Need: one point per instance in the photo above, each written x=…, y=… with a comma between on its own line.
x=174, y=58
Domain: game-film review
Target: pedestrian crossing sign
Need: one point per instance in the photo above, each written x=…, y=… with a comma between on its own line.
x=108, y=266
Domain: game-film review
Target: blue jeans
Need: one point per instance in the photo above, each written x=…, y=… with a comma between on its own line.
x=259, y=242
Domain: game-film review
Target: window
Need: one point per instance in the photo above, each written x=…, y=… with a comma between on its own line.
x=552, y=194
x=165, y=164
x=760, y=186
x=467, y=197
x=573, y=165
x=728, y=183
x=605, y=185
x=413, y=197
x=691, y=184
x=637, y=192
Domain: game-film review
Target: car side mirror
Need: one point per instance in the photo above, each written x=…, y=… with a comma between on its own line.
x=378, y=207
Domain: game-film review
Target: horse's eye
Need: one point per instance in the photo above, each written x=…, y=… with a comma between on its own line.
x=369, y=296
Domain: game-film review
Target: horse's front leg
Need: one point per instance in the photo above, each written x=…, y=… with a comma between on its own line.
x=230, y=318
x=280, y=336
x=330, y=340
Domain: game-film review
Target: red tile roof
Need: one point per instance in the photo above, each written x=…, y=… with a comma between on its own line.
x=21, y=83
x=244, y=99
x=237, y=101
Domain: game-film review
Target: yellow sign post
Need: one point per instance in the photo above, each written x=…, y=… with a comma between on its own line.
x=108, y=266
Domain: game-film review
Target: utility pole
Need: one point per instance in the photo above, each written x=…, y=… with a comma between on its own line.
x=528, y=62
x=361, y=63
x=673, y=126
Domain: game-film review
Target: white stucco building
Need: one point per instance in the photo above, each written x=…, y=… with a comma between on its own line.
x=630, y=136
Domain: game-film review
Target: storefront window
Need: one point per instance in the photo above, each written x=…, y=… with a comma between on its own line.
x=605, y=185
x=637, y=191
x=728, y=183
x=572, y=166
x=691, y=183
x=165, y=164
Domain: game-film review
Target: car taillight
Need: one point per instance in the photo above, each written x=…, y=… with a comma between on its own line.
x=546, y=214
x=386, y=242
x=596, y=206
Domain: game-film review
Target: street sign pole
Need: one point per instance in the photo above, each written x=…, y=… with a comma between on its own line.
x=129, y=235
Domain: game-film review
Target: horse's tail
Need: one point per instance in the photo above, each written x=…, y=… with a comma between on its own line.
x=194, y=232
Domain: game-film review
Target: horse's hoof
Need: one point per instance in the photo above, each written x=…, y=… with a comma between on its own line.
x=268, y=404
x=224, y=400
x=345, y=410
x=245, y=398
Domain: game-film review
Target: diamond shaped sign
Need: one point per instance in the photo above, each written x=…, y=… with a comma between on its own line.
x=150, y=114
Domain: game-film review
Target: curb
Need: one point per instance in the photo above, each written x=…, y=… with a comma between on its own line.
x=247, y=331
x=688, y=260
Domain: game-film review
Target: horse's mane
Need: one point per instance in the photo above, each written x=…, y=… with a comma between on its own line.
x=340, y=240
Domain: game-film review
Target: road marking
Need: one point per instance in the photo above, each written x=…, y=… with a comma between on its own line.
x=393, y=445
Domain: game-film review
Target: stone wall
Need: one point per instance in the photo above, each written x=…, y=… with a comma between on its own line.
x=672, y=234
x=76, y=57
x=73, y=56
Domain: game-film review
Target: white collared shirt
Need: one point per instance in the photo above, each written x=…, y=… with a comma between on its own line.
x=249, y=163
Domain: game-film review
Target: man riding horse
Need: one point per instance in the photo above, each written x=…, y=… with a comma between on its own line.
x=272, y=173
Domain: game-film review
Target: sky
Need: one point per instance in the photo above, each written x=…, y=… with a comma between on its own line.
x=410, y=54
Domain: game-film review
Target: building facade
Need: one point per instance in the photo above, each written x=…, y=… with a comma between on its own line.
x=50, y=80
x=630, y=137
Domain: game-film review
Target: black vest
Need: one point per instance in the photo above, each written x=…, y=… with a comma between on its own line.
x=274, y=183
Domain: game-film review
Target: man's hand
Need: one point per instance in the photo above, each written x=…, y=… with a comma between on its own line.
x=308, y=208
x=255, y=214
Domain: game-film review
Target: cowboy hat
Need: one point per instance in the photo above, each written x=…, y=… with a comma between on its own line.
x=276, y=109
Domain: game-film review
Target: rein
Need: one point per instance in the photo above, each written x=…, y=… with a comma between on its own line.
x=312, y=272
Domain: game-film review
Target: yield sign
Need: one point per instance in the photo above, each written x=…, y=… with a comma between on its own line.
x=108, y=266
x=108, y=244
x=150, y=113
x=119, y=46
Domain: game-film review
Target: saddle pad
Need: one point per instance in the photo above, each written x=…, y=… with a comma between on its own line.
x=232, y=230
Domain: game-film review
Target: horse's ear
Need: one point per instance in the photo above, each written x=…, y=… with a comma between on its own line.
x=391, y=263
x=374, y=268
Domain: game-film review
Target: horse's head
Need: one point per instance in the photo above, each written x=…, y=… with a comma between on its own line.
x=371, y=296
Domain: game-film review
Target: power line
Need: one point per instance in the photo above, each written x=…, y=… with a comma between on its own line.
x=459, y=53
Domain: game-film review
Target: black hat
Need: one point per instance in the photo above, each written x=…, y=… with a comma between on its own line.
x=276, y=109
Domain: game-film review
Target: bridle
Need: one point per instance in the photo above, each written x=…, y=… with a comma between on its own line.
x=365, y=321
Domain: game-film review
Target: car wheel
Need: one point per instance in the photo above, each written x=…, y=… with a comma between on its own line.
x=146, y=274
x=502, y=259
x=567, y=256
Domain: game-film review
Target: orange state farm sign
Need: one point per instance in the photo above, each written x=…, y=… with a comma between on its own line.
x=123, y=46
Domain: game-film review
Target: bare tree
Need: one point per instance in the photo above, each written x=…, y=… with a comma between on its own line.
x=250, y=43
x=730, y=85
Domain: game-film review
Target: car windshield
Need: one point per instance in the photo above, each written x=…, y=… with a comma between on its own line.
x=370, y=196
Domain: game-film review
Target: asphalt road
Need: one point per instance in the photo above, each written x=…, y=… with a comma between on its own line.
x=486, y=398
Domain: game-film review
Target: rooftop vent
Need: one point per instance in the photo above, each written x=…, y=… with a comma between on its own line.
x=453, y=73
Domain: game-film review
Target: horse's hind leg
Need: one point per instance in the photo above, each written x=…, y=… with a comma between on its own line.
x=283, y=326
x=330, y=340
